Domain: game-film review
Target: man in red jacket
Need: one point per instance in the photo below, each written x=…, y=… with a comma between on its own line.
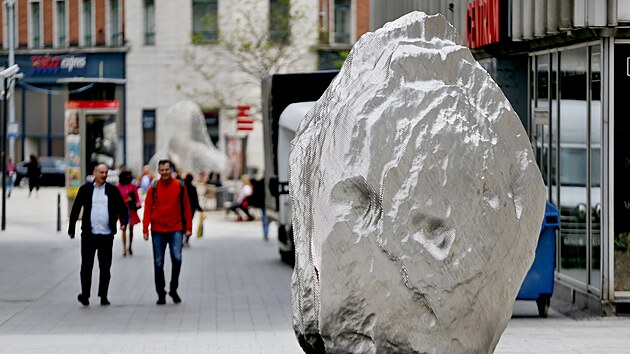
x=167, y=210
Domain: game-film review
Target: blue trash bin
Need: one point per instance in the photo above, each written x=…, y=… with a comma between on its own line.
x=538, y=283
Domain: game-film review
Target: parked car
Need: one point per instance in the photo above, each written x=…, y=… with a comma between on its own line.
x=53, y=172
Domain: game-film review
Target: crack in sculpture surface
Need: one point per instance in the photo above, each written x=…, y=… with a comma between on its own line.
x=412, y=182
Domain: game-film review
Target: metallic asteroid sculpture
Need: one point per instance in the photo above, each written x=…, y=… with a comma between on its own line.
x=416, y=200
x=190, y=147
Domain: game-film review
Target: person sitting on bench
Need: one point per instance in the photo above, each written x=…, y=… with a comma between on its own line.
x=241, y=202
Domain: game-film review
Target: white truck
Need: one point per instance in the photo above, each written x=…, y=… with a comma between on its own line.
x=286, y=100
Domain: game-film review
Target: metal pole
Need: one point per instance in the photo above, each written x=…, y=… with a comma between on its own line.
x=7, y=74
x=4, y=154
x=11, y=60
x=58, y=211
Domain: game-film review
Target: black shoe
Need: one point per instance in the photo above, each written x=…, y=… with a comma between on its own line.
x=161, y=300
x=176, y=298
x=104, y=301
x=83, y=300
x=130, y=252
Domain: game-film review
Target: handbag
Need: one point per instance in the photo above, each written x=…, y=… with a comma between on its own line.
x=132, y=203
x=202, y=217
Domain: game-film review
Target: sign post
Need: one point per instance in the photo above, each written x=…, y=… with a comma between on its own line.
x=12, y=130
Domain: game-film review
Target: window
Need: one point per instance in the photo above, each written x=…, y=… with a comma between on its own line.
x=149, y=22
x=205, y=21
x=342, y=22
x=279, y=18
x=87, y=23
x=60, y=22
x=148, y=136
x=36, y=36
x=212, y=124
x=573, y=163
x=114, y=23
x=596, y=164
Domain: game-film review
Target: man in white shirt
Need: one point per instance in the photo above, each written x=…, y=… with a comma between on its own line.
x=102, y=206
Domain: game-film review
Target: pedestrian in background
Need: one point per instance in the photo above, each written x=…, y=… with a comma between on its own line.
x=241, y=203
x=257, y=200
x=167, y=210
x=145, y=179
x=215, y=179
x=11, y=175
x=102, y=206
x=129, y=192
x=33, y=172
x=193, y=198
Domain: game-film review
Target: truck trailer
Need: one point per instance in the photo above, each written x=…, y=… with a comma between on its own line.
x=286, y=100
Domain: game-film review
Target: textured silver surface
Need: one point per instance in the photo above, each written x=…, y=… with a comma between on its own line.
x=416, y=200
x=190, y=147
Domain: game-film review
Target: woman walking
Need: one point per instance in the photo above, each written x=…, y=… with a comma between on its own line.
x=33, y=172
x=129, y=193
x=193, y=198
x=11, y=175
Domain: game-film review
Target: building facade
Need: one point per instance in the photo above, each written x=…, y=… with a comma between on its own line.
x=341, y=24
x=67, y=50
x=564, y=66
x=197, y=50
x=149, y=54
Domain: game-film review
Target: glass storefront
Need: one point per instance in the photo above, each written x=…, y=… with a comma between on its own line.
x=595, y=165
x=621, y=240
x=573, y=163
x=567, y=120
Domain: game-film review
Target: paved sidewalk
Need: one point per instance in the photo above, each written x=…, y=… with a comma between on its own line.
x=235, y=291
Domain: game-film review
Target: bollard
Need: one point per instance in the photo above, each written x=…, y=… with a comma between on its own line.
x=58, y=211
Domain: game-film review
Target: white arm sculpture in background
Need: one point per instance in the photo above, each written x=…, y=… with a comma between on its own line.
x=190, y=147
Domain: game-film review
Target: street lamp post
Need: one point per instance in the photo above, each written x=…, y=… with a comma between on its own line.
x=9, y=99
x=7, y=76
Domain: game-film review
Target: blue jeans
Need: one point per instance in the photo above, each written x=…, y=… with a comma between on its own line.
x=160, y=240
x=9, y=183
x=265, y=221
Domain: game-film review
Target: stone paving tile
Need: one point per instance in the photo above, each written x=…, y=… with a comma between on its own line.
x=231, y=281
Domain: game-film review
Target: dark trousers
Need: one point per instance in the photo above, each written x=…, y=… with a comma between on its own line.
x=174, y=242
x=241, y=207
x=102, y=245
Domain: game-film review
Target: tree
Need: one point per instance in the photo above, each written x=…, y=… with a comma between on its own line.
x=243, y=47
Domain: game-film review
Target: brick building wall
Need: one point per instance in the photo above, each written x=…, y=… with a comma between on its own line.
x=99, y=21
x=48, y=23
x=2, y=28
x=22, y=23
x=362, y=14
x=73, y=20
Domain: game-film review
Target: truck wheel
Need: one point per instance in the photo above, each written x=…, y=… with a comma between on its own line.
x=288, y=257
x=543, y=303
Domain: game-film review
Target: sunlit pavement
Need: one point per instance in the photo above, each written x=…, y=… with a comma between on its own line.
x=235, y=291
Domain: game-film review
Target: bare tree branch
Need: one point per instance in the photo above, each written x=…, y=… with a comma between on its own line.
x=253, y=49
